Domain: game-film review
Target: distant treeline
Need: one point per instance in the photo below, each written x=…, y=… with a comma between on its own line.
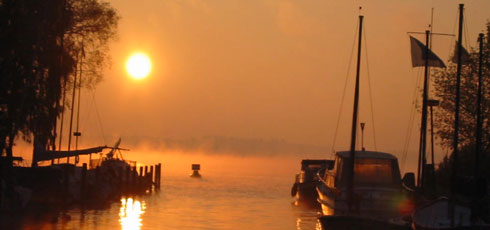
x=230, y=145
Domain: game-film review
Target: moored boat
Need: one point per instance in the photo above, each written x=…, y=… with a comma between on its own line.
x=364, y=189
x=358, y=222
x=377, y=190
x=304, y=188
x=436, y=215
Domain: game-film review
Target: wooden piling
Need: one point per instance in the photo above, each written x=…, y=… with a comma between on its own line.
x=145, y=179
x=158, y=171
x=140, y=179
x=120, y=177
x=156, y=177
x=66, y=185
x=151, y=178
x=127, y=184
x=97, y=176
x=83, y=186
x=134, y=175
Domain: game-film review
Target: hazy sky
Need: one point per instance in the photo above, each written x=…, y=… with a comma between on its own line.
x=271, y=69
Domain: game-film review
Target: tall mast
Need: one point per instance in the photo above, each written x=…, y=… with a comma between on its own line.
x=62, y=116
x=431, y=112
x=456, y=113
x=77, y=132
x=71, y=115
x=479, y=122
x=423, y=126
x=354, y=119
x=457, y=101
x=64, y=89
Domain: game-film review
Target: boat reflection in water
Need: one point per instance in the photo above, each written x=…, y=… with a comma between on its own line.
x=130, y=214
x=307, y=220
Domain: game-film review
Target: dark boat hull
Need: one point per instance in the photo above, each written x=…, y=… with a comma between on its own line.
x=306, y=194
x=418, y=227
x=435, y=216
x=335, y=222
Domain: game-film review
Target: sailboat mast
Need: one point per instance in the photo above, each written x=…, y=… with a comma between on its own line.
x=479, y=122
x=457, y=101
x=77, y=132
x=354, y=119
x=71, y=115
x=431, y=112
x=423, y=126
x=456, y=115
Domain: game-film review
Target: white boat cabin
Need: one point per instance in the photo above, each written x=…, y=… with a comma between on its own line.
x=376, y=169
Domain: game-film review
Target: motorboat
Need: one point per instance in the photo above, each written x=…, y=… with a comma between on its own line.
x=304, y=187
x=377, y=189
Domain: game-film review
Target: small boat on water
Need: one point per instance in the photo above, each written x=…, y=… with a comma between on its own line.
x=304, y=187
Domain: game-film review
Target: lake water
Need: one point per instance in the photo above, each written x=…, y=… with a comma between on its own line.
x=234, y=193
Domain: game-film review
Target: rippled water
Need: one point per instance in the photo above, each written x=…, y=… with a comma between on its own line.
x=245, y=198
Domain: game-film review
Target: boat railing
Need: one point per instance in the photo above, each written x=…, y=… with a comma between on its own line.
x=404, y=186
x=320, y=177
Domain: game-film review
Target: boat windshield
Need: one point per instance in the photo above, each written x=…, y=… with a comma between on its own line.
x=373, y=172
x=314, y=167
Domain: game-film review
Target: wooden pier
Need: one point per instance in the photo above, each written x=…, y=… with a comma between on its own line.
x=66, y=184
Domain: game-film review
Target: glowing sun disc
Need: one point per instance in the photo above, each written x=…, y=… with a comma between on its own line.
x=138, y=66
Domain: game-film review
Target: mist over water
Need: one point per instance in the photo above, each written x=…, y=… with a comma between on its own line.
x=235, y=192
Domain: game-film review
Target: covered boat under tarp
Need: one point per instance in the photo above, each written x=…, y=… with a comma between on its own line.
x=436, y=215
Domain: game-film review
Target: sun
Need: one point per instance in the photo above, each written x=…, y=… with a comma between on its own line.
x=138, y=66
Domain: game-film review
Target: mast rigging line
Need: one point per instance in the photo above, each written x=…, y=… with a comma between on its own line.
x=455, y=25
x=411, y=118
x=465, y=32
x=371, y=101
x=98, y=116
x=432, y=33
x=343, y=93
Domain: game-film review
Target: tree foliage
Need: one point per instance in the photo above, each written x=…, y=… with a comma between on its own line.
x=42, y=43
x=445, y=91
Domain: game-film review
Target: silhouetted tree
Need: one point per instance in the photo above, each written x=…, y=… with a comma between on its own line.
x=445, y=91
x=41, y=44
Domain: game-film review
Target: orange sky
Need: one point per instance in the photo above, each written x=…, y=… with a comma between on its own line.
x=269, y=69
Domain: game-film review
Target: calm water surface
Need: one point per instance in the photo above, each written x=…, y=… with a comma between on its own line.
x=222, y=199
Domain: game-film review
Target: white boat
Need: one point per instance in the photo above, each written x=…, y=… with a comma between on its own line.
x=377, y=190
x=438, y=215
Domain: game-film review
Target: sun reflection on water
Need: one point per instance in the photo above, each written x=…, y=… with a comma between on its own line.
x=130, y=214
